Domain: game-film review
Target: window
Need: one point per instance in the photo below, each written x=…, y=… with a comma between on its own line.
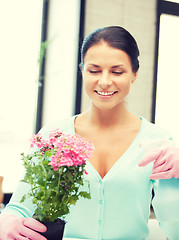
x=167, y=97
x=61, y=61
x=19, y=48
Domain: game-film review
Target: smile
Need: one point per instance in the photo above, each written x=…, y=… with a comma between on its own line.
x=105, y=93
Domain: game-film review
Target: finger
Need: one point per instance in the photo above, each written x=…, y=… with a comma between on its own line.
x=22, y=238
x=34, y=224
x=161, y=175
x=150, y=157
x=29, y=233
x=160, y=163
x=31, y=226
x=162, y=168
x=16, y=236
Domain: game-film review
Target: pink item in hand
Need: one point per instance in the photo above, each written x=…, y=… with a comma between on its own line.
x=13, y=227
x=165, y=158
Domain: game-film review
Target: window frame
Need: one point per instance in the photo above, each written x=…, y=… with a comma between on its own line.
x=163, y=7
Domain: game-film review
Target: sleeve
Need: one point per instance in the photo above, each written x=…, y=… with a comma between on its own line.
x=166, y=206
x=15, y=207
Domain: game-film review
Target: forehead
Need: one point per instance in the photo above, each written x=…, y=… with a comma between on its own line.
x=103, y=54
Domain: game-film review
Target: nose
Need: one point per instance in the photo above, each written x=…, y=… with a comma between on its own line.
x=104, y=81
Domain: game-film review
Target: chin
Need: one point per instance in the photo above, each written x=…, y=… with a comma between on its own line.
x=105, y=107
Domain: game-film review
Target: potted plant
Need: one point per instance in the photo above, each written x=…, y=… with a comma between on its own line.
x=55, y=171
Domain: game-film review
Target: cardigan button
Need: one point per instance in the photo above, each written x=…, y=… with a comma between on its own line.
x=100, y=182
x=100, y=202
x=100, y=221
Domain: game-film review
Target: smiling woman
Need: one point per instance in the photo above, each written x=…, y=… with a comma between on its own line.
x=121, y=191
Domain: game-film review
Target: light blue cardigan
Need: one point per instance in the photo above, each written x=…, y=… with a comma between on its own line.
x=119, y=207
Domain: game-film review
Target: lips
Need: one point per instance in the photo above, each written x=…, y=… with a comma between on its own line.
x=104, y=93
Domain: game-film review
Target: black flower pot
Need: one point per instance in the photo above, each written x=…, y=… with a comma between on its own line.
x=54, y=229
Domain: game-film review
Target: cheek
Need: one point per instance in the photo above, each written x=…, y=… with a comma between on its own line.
x=88, y=85
x=89, y=81
x=124, y=84
x=126, y=89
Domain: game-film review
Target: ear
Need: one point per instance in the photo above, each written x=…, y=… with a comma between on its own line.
x=81, y=67
x=135, y=76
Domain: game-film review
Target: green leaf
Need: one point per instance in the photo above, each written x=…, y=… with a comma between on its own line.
x=85, y=194
x=23, y=199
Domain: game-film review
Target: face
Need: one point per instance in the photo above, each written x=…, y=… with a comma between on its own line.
x=107, y=74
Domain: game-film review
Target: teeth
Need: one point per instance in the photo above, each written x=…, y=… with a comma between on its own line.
x=105, y=93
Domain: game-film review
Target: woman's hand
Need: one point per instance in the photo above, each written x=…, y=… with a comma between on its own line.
x=12, y=227
x=166, y=162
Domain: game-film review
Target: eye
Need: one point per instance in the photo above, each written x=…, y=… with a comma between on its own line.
x=117, y=73
x=94, y=71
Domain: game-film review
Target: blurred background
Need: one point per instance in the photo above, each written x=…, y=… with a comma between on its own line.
x=40, y=80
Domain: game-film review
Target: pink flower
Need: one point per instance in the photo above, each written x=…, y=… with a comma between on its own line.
x=55, y=134
x=67, y=150
x=37, y=140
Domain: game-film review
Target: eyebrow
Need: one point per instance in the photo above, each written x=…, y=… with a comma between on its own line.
x=94, y=65
x=116, y=66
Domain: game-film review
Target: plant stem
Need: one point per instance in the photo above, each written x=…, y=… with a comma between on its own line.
x=42, y=165
x=59, y=177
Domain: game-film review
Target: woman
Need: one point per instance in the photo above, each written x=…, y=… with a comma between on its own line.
x=121, y=191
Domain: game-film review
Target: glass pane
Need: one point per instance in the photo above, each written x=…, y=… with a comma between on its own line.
x=176, y=1
x=61, y=64
x=19, y=48
x=167, y=101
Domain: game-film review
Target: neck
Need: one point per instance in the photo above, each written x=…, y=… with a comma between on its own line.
x=109, y=118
